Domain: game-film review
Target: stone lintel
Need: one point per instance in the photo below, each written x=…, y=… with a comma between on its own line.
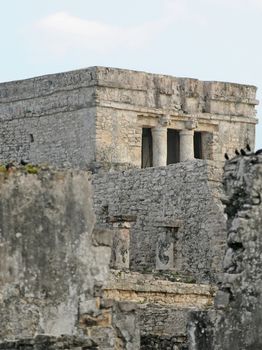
x=150, y=112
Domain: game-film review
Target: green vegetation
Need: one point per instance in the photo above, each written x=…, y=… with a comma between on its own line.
x=32, y=169
x=28, y=168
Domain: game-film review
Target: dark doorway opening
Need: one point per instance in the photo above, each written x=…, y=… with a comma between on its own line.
x=173, y=146
x=198, y=152
x=147, y=148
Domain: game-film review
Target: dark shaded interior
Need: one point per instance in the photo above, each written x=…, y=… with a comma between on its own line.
x=198, y=153
x=173, y=146
x=147, y=148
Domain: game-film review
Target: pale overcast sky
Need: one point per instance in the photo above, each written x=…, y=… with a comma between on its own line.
x=203, y=39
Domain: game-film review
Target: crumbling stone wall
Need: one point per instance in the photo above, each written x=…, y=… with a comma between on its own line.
x=45, y=342
x=173, y=217
x=54, y=265
x=162, y=306
x=51, y=261
x=236, y=322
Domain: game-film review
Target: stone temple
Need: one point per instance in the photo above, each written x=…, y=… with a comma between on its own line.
x=127, y=229
x=123, y=118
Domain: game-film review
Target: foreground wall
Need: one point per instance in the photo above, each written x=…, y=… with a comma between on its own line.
x=55, y=257
x=54, y=266
x=236, y=322
x=50, y=264
x=168, y=218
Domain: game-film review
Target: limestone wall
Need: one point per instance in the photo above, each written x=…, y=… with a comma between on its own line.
x=118, y=137
x=184, y=95
x=168, y=218
x=236, y=321
x=162, y=306
x=49, y=119
x=51, y=262
x=129, y=100
x=231, y=136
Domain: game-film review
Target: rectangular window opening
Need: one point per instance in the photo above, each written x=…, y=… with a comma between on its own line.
x=198, y=151
x=173, y=146
x=147, y=148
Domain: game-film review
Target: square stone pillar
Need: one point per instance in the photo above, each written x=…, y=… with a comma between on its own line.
x=159, y=135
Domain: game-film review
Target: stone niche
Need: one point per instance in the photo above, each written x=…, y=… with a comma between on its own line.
x=165, y=249
x=121, y=226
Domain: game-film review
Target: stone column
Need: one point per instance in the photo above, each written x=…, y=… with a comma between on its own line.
x=186, y=145
x=187, y=141
x=159, y=135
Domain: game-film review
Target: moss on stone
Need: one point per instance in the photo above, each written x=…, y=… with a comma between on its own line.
x=32, y=169
x=2, y=169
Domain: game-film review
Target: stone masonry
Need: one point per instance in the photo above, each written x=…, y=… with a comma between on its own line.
x=102, y=254
x=163, y=229
x=96, y=116
x=49, y=266
x=54, y=264
x=236, y=321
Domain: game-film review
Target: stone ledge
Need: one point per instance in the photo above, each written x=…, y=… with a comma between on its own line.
x=142, y=289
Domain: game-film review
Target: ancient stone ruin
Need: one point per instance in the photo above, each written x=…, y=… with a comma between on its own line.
x=121, y=229
x=235, y=322
x=123, y=118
